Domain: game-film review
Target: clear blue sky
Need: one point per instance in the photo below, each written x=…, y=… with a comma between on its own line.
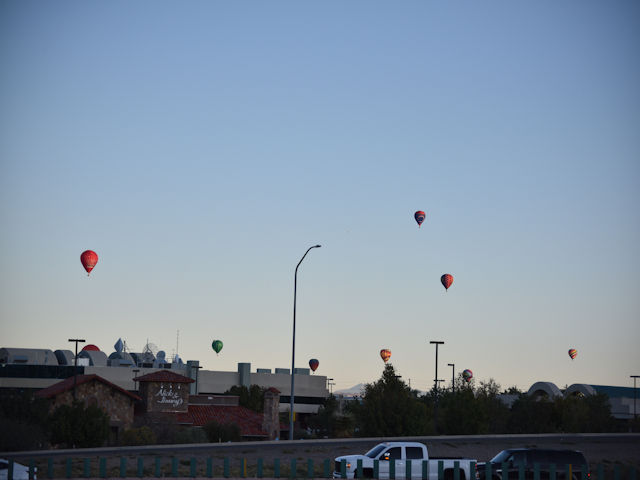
x=201, y=147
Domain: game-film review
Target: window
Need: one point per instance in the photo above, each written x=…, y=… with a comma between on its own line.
x=394, y=453
x=414, y=453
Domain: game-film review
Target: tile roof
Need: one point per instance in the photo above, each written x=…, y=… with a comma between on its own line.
x=67, y=384
x=250, y=422
x=164, y=376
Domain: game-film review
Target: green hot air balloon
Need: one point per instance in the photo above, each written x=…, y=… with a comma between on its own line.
x=217, y=346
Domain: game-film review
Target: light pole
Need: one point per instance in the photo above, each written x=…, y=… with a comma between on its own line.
x=293, y=348
x=453, y=376
x=435, y=387
x=634, y=394
x=75, y=367
x=330, y=384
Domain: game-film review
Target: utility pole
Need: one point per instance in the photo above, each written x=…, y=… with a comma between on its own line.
x=435, y=386
x=453, y=376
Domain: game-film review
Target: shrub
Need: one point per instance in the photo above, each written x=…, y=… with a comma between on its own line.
x=222, y=432
x=138, y=436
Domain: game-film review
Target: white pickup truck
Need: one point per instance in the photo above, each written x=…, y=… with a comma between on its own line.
x=396, y=459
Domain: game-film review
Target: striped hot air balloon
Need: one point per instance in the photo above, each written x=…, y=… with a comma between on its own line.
x=467, y=375
x=446, y=280
x=419, y=216
x=385, y=354
x=573, y=353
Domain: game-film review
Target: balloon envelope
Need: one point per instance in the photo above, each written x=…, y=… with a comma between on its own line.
x=446, y=280
x=89, y=258
x=419, y=216
x=467, y=375
x=216, y=345
x=385, y=354
x=573, y=353
x=313, y=364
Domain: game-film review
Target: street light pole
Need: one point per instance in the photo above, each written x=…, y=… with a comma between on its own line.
x=293, y=348
x=634, y=395
x=453, y=376
x=75, y=367
x=435, y=387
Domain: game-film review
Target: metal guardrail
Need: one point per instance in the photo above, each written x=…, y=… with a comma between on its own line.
x=194, y=467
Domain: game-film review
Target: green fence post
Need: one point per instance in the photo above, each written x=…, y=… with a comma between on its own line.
x=276, y=468
x=50, y=468
x=425, y=469
x=376, y=468
x=440, y=470
x=585, y=473
x=407, y=471
x=392, y=469
x=226, y=472
x=32, y=469
x=158, y=472
x=310, y=469
x=103, y=467
x=140, y=467
x=552, y=471
x=209, y=467
x=536, y=471
x=632, y=473
x=521, y=472
x=293, y=472
x=174, y=466
x=86, y=471
x=616, y=472
x=456, y=470
x=343, y=469
x=123, y=467
x=488, y=473
x=505, y=471
x=359, y=468
x=193, y=467
x=259, y=468
x=600, y=472
x=10, y=468
x=68, y=472
x=327, y=468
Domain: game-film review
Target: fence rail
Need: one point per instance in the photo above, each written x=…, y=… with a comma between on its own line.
x=227, y=467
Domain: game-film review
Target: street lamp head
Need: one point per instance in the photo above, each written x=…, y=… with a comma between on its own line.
x=317, y=246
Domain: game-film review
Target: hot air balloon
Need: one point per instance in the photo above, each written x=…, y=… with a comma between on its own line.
x=313, y=364
x=89, y=258
x=446, y=280
x=419, y=216
x=573, y=353
x=385, y=354
x=217, y=346
x=467, y=375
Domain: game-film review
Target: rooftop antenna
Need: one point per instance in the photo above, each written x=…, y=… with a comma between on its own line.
x=177, y=340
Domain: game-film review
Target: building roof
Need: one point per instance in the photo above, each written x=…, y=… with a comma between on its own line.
x=250, y=422
x=164, y=376
x=67, y=384
x=612, y=391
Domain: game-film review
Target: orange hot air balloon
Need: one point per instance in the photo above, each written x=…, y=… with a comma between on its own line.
x=446, y=280
x=89, y=258
x=385, y=354
x=573, y=353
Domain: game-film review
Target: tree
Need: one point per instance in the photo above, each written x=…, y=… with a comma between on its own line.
x=251, y=398
x=389, y=408
x=222, y=432
x=78, y=426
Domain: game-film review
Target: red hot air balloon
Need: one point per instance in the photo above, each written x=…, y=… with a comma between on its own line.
x=313, y=364
x=446, y=280
x=573, y=353
x=89, y=258
x=385, y=354
x=419, y=216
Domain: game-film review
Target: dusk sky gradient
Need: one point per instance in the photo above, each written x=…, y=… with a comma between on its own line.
x=201, y=147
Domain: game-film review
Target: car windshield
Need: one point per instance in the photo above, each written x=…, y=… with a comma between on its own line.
x=375, y=451
x=501, y=457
